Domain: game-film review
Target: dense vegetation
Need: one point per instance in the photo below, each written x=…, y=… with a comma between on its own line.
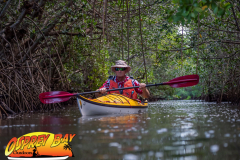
x=70, y=46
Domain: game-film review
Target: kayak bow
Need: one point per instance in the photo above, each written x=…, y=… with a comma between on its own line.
x=110, y=104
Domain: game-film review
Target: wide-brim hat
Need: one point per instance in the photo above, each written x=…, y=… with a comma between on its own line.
x=121, y=64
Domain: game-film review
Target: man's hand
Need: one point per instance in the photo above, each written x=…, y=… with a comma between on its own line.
x=142, y=86
x=145, y=92
x=102, y=90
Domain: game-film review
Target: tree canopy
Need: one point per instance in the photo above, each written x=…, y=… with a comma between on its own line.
x=71, y=45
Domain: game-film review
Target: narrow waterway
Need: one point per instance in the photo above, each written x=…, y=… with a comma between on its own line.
x=168, y=130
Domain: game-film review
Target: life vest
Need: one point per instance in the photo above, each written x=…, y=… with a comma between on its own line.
x=130, y=93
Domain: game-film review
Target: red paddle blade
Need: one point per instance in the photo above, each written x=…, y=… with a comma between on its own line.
x=184, y=81
x=54, y=97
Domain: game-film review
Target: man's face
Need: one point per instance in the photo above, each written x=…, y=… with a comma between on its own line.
x=120, y=72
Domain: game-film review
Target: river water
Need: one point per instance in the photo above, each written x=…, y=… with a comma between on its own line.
x=168, y=130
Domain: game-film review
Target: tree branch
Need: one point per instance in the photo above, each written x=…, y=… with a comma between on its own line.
x=222, y=57
x=220, y=29
x=235, y=19
x=179, y=49
x=45, y=32
x=4, y=9
x=65, y=33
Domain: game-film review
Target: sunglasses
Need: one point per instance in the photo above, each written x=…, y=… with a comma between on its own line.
x=120, y=69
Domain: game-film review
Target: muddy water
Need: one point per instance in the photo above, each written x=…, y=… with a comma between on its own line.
x=168, y=130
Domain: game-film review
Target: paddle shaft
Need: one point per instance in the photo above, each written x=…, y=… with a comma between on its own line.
x=61, y=96
x=76, y=94
x=149, y=85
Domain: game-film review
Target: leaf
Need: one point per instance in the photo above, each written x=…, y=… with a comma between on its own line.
x=195, y=4
x=193, y=15
x=204, y=7
x=213, y=5
x=227, y=6
x=215, y=10
x=175, y=1
x=185, y=13
x=198, y=9
x=221, y=12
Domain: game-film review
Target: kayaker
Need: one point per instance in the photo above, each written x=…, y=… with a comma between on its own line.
x=123, y=81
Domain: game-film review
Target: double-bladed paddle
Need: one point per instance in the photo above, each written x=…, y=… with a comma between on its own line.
x=61, y=96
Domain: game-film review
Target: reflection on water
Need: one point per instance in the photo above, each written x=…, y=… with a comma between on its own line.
x=169, y=130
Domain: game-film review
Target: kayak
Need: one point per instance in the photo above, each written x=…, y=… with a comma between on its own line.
x=110, y=104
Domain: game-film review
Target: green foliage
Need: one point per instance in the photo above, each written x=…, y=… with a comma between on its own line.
x=191, y=9
x=168, y=52
x=189, y=97
x=65, y=45
x=188, y=93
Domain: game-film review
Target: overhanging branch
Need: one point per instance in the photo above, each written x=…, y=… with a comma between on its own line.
x=65, y=33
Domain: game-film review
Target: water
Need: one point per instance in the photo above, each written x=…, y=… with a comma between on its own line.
x=168, y=130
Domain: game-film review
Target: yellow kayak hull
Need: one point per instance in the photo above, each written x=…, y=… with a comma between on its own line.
x=110, y=104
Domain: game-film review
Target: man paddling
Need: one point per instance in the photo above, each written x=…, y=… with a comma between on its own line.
x=123, y=81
